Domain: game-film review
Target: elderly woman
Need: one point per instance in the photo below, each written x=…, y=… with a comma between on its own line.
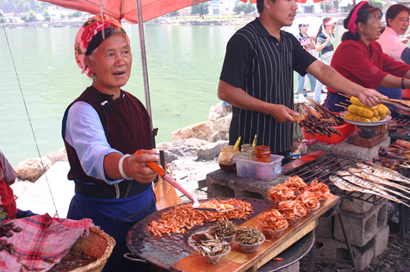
x=102, y=129
x=360, y=58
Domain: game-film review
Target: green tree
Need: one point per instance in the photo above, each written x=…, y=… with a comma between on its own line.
x=31, y=16
x=77, y=14
x=201, y=9
x=174, y=14
x=245, y=8
x=377, y=3
x=46, y=15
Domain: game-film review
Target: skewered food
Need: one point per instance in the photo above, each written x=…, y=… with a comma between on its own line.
x=354, y=117
x=318, y=122
x=356, y=101
x=360, y=111
x=347, y=186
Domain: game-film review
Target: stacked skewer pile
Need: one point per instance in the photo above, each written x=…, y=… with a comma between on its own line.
x=374, y=179
x=394, y=156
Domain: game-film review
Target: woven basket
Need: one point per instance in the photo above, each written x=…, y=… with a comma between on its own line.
x=97, y=244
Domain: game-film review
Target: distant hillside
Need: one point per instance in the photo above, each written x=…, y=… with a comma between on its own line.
x=20, y=6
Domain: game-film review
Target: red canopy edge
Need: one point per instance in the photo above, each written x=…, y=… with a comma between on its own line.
x=150, y=8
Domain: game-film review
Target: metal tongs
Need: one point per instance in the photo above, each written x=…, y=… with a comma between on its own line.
x=163, y=174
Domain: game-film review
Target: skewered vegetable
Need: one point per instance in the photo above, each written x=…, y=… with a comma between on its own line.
x=354, y=117
x=355, y=101
x=361, y=111
x=383, y=109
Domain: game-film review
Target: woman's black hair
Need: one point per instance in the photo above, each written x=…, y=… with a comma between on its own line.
x=98, y=39
x=363, y=15
x=394, y=10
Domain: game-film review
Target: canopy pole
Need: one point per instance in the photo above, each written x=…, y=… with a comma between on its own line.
x=145, y=70
x=144, y=59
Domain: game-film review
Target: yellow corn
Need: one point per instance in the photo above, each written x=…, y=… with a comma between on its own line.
x=355, y=101
x=383, y=108
x=374, y=119
x=354, y=117
x=361, y=111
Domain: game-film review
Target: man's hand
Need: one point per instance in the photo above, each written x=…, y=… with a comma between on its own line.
x=370, y=97
x=282, y=113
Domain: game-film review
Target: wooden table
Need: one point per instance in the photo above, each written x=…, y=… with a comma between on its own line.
x=237, y=261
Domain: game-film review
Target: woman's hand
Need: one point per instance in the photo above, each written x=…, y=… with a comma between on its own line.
x=134, y=166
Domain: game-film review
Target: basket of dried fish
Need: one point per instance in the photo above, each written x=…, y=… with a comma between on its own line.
x=224, y=229
x=249, y=239
x=213, y=249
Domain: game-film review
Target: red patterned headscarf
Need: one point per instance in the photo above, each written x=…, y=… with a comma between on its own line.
x=87, y=32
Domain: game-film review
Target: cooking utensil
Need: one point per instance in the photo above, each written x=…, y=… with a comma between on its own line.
x=163, y=174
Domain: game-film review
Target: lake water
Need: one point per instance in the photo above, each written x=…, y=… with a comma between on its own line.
x=184, y=64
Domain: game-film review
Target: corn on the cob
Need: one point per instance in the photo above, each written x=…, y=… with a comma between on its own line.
x=353, y=117
x=374, y=119
x=355, y=101
x=383, y=108
x=361, y=111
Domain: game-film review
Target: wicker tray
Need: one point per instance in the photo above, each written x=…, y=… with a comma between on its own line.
x=97, y=244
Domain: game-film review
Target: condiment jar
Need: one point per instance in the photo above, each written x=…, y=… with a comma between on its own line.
x=225, y=158
x=247, y=150
x=262, y=153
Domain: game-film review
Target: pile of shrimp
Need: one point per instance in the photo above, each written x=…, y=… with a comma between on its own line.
x=292, y=209
x=183, y=217
x=273, y=220
x=320, y=190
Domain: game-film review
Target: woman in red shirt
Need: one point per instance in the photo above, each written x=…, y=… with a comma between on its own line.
x=360, y=58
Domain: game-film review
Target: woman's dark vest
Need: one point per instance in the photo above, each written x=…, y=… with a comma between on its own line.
x=126, y=124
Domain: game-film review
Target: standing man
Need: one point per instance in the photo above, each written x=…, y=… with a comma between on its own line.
x=257, y=77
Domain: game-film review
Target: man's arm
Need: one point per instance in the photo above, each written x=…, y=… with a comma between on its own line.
x=240, y=99
x=330, y=77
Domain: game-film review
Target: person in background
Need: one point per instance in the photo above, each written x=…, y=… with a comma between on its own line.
x=360, y=58
x=102, y=129
x=397, y=20
x=308, y=43
x=8, y=206
x=325, y=41
x=257, y=78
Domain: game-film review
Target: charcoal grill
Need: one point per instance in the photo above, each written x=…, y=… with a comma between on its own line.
x=326, y=165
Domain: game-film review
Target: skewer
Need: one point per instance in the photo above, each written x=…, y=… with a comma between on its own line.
x=345, y=95
x=342, y=106
x=343, y=103
x=405, y=166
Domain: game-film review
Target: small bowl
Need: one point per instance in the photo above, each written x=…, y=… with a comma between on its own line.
x=323, y=200
x=217, y=259
x=247, y=248
x=293, y=221
x=310, y=211
x=273, y=233
x=228, y=239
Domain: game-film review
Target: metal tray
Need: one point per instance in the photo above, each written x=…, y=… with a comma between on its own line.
x=166, y=250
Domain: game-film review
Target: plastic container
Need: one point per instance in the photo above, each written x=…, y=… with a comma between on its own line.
x=346, y=130
x=217, y=259
x=310, y=211
x=259, y=170
x=247, y=248
x=228, y=239
x=294, y=221
x=273, y=233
